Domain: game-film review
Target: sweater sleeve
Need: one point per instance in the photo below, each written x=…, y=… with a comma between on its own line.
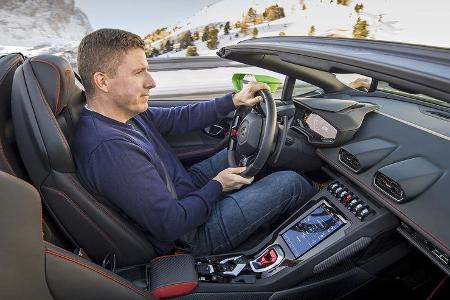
x=124, y=174
x=184, y=119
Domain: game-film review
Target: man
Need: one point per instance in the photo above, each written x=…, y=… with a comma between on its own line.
x=123, y=159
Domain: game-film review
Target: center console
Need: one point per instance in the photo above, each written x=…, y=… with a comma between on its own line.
x=334, y=225
x=334, y=242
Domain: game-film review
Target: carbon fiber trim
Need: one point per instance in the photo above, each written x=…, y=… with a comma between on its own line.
x=171, y=270
x=342, y=254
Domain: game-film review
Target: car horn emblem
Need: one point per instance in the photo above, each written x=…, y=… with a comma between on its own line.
x=243, y=131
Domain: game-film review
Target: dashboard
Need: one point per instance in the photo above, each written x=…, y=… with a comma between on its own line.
x=399, y=157
x=314, y=126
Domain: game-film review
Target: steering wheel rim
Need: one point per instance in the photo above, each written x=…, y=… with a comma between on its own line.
x=266, y=137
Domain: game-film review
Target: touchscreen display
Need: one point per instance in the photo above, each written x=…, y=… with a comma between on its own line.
x=312, y=230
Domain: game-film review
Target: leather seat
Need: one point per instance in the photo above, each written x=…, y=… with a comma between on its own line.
x=33, y=269
x=10, y=161
x=46, y=104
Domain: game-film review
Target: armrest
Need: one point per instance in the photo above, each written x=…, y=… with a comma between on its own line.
x=173, y=275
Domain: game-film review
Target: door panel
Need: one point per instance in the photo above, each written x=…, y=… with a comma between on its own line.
x=200, y=144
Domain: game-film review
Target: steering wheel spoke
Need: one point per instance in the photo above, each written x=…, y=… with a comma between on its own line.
x=252, y=134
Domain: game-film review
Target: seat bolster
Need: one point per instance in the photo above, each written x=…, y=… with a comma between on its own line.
x=72, y=277
x=21, y=254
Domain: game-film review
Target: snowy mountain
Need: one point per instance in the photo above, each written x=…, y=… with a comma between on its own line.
x=40, y=23
x=410, y=21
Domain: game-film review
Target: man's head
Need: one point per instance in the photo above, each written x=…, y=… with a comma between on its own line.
x=113, y=67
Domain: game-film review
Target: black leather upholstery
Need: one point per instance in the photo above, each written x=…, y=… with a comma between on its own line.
x=10, y=161
x=46, y=105
x=32, y=269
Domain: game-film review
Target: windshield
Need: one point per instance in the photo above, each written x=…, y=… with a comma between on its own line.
x=188, y=30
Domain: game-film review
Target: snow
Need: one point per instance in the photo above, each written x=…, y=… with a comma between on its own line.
x=201, y=81
x=409, y=21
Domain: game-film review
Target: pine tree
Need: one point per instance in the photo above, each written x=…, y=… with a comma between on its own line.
x=312, y=30
x=226, y=29
x=244, y=28
x=166, y=46
x=251, y=14
x=191, y=51
x=358, y=7
x=195, y=36
x=205, y=36
x=273, y=12
x=212, y=41
x=151, y=52
x=343, y=2
x=360, y=29
x=237, y=24
x=255, y=32
x=282, y=33
x=185, y=39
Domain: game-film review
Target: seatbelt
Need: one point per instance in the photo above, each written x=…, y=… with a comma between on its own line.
x=169, y=182
x=182, y=243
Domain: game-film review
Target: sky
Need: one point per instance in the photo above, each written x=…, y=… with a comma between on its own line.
x=139, y=16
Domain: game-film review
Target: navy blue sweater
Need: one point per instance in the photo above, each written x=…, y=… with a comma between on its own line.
x=122, y=165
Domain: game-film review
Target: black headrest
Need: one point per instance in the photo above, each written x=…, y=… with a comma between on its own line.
x=56, y=79
x=45, y=107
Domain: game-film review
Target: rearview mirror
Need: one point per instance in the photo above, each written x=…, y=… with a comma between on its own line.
x=240, y=80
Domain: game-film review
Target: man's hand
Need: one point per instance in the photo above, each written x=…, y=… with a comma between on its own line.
x=231, y=180
x=246, y=97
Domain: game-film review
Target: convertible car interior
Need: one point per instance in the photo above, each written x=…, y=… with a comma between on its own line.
x=378, y=154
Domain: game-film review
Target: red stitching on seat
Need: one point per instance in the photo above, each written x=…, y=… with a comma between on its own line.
x=105, y=236
x=53, y=119
x=105, y=210
x=98, y=271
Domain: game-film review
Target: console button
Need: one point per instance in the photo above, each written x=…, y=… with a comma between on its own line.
x=347, y=198
x=338, y=190
x=333, y=186
x=342, y=193
x=268, y=258
x=358, y=207
x=353, y=203
x=362, y=214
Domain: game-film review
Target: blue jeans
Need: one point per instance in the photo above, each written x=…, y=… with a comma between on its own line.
x=237, y=215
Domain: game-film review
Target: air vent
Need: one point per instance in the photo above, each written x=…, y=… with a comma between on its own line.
x=389, y=187
x=349, y=160
x=439, y=114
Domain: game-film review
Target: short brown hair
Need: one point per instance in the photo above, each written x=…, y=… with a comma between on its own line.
x=101, y=51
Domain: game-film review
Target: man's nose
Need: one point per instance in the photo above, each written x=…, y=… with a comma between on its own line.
x=150, y=82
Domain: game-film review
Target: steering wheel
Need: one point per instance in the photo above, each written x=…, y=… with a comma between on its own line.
x=252, y=135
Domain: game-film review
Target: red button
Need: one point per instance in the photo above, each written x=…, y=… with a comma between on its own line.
x=268, y=258
x=347, y=198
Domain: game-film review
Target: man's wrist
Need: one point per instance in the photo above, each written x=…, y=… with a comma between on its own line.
x=233, y=98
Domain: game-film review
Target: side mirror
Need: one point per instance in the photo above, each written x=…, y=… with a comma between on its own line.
x=239, y=81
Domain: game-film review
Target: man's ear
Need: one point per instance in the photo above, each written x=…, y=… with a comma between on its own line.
x=101, y=81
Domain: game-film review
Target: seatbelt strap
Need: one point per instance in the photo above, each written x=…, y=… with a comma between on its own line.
x=169, y=183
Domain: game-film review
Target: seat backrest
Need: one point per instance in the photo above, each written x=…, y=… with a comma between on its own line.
x=46, y=105
x=10, y=160
x=32, y=269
